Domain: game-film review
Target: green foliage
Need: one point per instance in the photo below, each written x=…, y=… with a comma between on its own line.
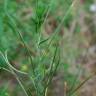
x=22, y=34
x=3, y=92
x=2, y=62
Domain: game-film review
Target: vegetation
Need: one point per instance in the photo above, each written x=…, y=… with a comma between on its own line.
x=43, y=40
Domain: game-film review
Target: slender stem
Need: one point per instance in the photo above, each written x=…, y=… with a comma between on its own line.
x=13, y=72
x=65, y=88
